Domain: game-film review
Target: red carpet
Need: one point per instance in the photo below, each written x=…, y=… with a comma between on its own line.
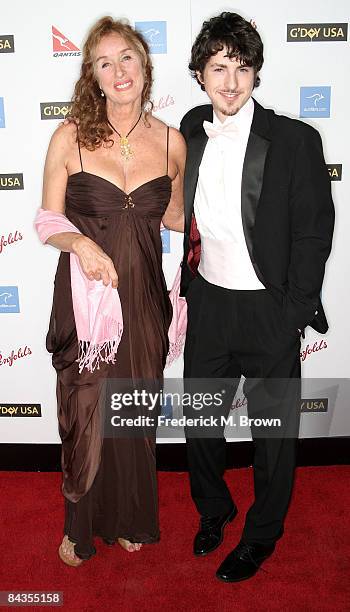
x=308, y=571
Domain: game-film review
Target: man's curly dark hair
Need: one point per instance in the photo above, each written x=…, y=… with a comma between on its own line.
x=230, y=31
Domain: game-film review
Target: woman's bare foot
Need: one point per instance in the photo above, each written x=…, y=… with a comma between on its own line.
x=67, y=554
x=129, y=546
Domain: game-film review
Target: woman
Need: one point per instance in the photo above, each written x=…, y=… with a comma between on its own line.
x=116, y=174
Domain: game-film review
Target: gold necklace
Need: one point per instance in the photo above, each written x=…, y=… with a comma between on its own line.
x=125, y=149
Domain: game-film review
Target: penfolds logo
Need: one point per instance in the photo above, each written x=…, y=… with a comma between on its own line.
x=10, y=239
x=162, y=103
x=308, y=350
x=239, y=403
x=14, y=356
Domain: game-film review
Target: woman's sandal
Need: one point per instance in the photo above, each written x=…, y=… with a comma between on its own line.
x=67, y=554
x=126, y=544
x=129, y=546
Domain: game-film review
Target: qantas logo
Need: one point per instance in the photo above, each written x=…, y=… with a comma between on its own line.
x=62, y=46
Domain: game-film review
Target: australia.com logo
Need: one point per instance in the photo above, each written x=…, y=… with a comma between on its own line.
x=9, y=300
x=2, y=113
x=55, y=110
x=165, y=236
x=155, y=34
x=20, y=410
x=62, y=46
x=317, y=32
x=11, y=181
x=315, y=102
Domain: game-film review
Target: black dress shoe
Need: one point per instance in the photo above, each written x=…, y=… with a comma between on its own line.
x=211, y=532
x=244, y=561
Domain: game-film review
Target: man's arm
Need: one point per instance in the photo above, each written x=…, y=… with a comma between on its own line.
x=312, y=222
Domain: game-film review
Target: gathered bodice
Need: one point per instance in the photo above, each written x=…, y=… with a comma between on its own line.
x=91, y=195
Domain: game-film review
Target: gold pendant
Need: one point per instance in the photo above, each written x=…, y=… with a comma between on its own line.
x=125, y=148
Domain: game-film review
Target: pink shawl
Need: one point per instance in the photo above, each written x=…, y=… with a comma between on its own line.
x=97, y=309
x=177, y=329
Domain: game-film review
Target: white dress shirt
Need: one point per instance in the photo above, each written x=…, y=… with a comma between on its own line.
x=225, y=259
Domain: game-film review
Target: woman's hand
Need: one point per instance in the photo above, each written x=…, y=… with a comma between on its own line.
x=94, y=262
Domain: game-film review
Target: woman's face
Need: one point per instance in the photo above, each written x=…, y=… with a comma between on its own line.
x=118, y=70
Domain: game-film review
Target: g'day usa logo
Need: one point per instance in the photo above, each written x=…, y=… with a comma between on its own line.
x=317, y=32
x=9, y=300
x=62, y=46
x=20, y=410
x=315, y=102
x=55, y=110
x=335, y=171
x=155, y=34
x=314, y=405
x=11, y=181
x=7, y=43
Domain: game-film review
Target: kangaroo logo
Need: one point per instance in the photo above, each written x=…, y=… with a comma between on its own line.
x=151, y=33
x=317, y=97
x=315, y=101
x=155, y=32
x=9, y=301
x=4, y=297
x=60, y=42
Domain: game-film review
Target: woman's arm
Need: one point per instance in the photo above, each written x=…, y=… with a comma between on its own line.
x=173, y=217
x=95, y=264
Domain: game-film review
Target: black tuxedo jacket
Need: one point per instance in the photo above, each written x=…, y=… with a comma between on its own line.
x=287, y=210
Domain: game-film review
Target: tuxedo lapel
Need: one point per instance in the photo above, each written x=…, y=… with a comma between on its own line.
x=253, y=174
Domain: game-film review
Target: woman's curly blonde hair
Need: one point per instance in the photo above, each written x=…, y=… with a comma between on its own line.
x=88, y=106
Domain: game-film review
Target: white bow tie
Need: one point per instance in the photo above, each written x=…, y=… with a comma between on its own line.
x=229, y=130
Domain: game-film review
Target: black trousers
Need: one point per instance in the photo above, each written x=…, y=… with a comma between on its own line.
x=230, y=334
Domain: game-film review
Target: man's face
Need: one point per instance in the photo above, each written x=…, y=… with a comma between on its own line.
x=228, y=83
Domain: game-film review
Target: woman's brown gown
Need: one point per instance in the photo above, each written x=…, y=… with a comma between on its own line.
x=110, y=484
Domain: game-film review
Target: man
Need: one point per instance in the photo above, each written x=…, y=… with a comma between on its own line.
x=259, y=223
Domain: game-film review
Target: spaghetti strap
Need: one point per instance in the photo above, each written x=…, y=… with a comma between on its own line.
x=167, y=149
x=78, y=141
